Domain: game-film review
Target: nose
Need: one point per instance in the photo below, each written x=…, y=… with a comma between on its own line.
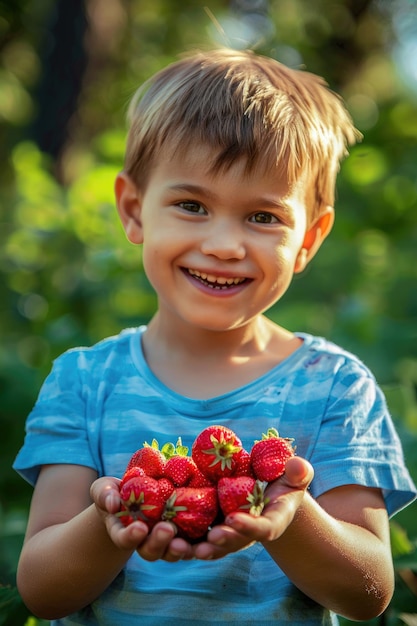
x=224, y=241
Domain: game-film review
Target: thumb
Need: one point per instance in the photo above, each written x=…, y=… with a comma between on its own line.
x=105, y=494
x=298, y=473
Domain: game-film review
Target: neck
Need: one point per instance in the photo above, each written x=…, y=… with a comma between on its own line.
x=201, y=364
x=244, y=342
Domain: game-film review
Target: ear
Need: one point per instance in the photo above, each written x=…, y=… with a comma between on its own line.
x=128, y=202
x=314, y=237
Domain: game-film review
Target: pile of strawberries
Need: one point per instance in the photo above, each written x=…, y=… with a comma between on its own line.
x=199, y=490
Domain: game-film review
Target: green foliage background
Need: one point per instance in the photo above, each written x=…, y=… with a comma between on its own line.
x=69, y=277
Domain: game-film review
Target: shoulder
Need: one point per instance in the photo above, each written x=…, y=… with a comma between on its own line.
x=118, y=342
x=101, y=352
x=322, y=355
x=88, y=366
x=329, y=355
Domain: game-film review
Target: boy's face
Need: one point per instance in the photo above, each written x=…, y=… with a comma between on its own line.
x=218, y=249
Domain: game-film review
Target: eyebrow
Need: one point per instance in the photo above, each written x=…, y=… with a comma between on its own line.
x=261, y=201
x=193, y=189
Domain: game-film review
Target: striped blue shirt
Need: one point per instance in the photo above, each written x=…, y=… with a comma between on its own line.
x=100, y=404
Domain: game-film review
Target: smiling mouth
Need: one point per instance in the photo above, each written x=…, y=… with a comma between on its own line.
x=216, y=282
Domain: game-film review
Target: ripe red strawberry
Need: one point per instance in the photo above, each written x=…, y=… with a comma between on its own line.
x=199, y=480
x=192, y=510
x=180, y=470
x=241, y=493
x=166, y=487
x=216, y=452
x=243, y=465
x=270, y=455
x=150, y=459
x=131, y=473
x=141, y=499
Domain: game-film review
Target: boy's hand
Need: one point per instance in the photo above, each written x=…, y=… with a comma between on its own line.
x=158, y=544
x=241, y=529
x=105, y=495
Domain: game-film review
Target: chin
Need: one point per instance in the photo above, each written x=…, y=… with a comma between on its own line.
x=215, y=325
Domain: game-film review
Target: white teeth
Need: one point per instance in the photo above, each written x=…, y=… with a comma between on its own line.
x=215, y=280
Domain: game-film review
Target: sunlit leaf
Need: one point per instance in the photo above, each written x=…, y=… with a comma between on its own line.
x=366, y=165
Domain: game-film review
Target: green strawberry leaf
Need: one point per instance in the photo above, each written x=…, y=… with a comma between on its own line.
x=180, y=450
x=168, y=450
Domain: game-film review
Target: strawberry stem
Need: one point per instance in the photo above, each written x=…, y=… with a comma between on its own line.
x=222, y=451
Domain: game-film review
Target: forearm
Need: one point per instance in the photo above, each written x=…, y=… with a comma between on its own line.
x=66, y=566
x=341, y=565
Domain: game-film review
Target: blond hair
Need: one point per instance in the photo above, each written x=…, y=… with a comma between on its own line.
x=241, y=105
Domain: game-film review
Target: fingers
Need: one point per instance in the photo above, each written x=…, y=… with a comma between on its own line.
x=179, y=549
x=105, y=494
x=285, y=495
x=268, y=527
x=239, y=530
x=221, y=540
x=126, y=538
x=162, y=544
x=157, y=542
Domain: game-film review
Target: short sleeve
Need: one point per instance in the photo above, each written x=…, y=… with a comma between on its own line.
x=56, y=428
x=358, y=442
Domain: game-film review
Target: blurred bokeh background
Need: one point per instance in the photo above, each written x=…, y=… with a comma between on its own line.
x=67, y=274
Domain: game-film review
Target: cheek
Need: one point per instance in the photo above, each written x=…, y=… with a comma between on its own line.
x=289, y=259
x=161, y=250
x=152, y=259
x=281, y=266
x=285, y=254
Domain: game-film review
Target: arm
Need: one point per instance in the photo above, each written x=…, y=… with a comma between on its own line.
x=336, y=549
x=73, y=548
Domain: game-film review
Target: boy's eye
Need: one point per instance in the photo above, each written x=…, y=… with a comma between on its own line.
x=264, y=218
x=192, y=207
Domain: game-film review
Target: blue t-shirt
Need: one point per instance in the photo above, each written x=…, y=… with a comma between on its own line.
x=100, y=404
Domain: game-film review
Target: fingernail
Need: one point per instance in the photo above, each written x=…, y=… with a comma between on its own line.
x=233, y=522
x=176, y=553
x=164, y=533
x=220, y=541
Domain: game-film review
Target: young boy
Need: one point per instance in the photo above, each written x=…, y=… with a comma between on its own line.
x=228, y=186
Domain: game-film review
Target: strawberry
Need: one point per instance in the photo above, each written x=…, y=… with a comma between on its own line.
x=141, y=499
x=166, y=487
x=131, y=473
x=241, y=493
x=150, y=459
x=270, y=455
x=192, y=510
x=180, y=470
x=243, y=465
x=199, y=480
x=216, y=451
